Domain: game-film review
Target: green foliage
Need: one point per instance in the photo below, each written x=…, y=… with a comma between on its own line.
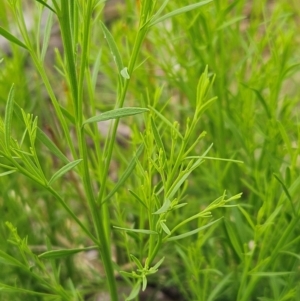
x=166, y=145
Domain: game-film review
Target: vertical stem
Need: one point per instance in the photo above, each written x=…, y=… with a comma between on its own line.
x=76, y=85
x=138, y=42
x=99, y=224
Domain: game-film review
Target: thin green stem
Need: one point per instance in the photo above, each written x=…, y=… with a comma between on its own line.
x=108, y=155
x=99, y=224
x=55, y=103
x=246, y=294
x=84, y=55
x=64, y=19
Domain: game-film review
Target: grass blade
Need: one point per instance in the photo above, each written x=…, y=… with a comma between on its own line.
x=164, y=208
x=47, y=33
x=137, y=198
x=182, y=177
x=11, y=38
x=231, y=22
x=160, y=10
x=8, y=116
x=142, y=231
x=261, y=99
x=137, y=262
x=113, y=47
x=57, y=254
x=178, y=12
x=291, y=253
x=166, y=121
x=135, y=291
x=7, y=259
x=126, y=173
x=14, y=289
x=219, y=287
x=286, y=191
x=233, y=238
x=271, y=274
x=64, y=170
x=7, y=172
x=117, y=113
x=157, y=138
x=42, y=137
x=46, y=5
x=181, y=236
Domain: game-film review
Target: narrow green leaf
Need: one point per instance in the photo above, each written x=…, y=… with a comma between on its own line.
x=6, y=166
x=42, y=137
x=96, y=68
x=179, y=181
x=8, y=116
x=206, y=105
x=11, y=38
x=144, y=283
x=143, y=231
x=234, y=238
x=291, y=253
x=126, y=173
x=184, y=235
x=182, y=177
x=165, y=227
x=166, y=121
x=261, y=99
x=220, y=287
x=179, y=206
x=164, y=208
x=157, y=138
x=158, y=264
x=116, y=113
x=63, y=170
x=231, y=22
x=247, y=216
x=178, y=12
x=47, y=33
x=56, y=254
x=68, y=115
x=270, y=219
x=135, y=291
x=7, y=173
x=14, y=289
x=19, y=151
x=285, y=138
x=160, y=10
x=137, y=262
x=129, y=275
x=45, y=4
x=72, y=214
x=271, y=274
x=113, y=47
x=202, y=87
x=7, y=259
x=286, y=191
x=138, y=198
x=214, y=158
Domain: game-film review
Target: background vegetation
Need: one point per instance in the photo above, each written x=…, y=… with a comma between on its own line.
x=247, y=248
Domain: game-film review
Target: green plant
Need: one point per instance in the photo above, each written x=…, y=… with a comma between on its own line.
x=158, y=172
x=133, y=194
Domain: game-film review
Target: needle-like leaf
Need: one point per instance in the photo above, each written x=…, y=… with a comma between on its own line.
x=8, y=116
x=11, y=38
x=117, y=113
x=56, y=254
x=64, y=170
x=178, y=12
